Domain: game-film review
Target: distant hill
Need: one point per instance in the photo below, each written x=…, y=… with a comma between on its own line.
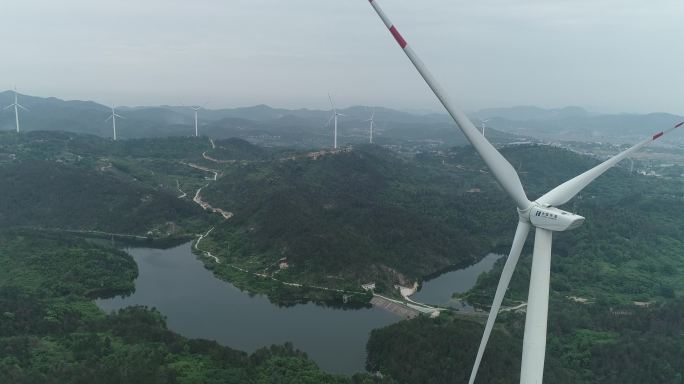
x=526, y=113
x=63, y=180
x=269, y=126
x=51, y=195
x=52, y=114
x=357, y=215
x=576, y=124
x=235, y=149
x=259, y=124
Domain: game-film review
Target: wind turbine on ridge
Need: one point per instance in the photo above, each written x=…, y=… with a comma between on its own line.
x=334, y=117
x=16, y=106
x=541, y=214
x=372, y=122
x=484, y=125
x=113, y=116
x=196, y=108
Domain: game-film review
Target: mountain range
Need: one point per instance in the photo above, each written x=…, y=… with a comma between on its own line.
x=265, y=125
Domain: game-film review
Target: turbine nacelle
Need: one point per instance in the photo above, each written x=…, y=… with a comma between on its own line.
x=553, y=219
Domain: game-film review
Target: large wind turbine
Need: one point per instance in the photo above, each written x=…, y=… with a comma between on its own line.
x=334, y=116
x=372, y=122
x=113, y=116
x=541, y=214
x=16, y=106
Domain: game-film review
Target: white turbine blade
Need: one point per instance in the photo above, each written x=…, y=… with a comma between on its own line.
x=340, y=114
x=536, y=318
x=9, y=106
x=332, y=104
x=109, y=118
x=502, y=170
x=329, y=120
x=119, y=116
x=566, y=191
x=22, y=107
x=518, y=242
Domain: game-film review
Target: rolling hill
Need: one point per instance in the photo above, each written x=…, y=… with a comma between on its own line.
x=68, y=181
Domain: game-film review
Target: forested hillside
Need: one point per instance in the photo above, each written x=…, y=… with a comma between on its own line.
x=587, y=344
x=66, y=181
x=616, y=290
x=373, y=215
x=365, y=215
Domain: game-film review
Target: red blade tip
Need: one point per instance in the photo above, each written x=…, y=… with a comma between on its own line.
x=397, y=37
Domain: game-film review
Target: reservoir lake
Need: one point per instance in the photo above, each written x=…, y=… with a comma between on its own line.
x=198, y=305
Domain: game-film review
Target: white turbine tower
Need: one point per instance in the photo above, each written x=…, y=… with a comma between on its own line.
x=16, y=106
x=540, y=214
x=334, y=116
x=196, y=108
x=113, y=116
x=372, y=122
x=484, y=126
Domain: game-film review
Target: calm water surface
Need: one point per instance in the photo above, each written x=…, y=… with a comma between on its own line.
x=439, y=290
x=198, y=305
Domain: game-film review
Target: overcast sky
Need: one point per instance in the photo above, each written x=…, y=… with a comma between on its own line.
x=607, y=55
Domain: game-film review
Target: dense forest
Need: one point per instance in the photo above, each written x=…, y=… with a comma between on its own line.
x=52, y=332
x=587, y=343
x=616, y=305
x=374, y=215
x=366, y=215
x=66, y=181
x=629, y=248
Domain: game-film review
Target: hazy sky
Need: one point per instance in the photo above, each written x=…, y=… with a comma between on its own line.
x=608, y=55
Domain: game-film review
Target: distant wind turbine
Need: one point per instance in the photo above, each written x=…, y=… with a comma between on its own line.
x=372, y=122
x=196, y=108
x=16, y=106
x=484, y=126
x=334, y=117
x=113, y=116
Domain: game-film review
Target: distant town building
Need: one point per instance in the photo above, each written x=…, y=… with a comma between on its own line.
x=368, y=287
